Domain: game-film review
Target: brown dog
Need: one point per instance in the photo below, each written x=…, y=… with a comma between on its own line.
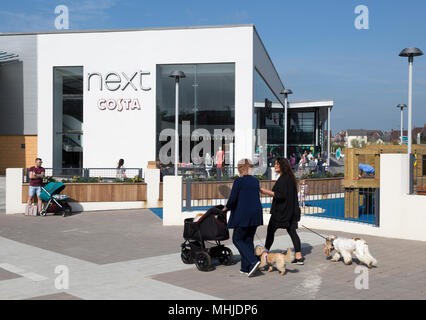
x=272, y=260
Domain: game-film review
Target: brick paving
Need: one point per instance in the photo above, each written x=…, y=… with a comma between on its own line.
x=128, y=254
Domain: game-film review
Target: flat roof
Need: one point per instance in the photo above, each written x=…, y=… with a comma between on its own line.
x=126, y=30
x=300, y=104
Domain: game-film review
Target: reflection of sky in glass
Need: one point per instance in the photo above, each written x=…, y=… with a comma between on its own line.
x=261, y=90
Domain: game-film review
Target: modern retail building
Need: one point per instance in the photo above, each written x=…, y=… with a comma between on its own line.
x=85, y=99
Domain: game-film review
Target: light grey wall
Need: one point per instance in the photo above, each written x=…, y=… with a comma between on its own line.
x=18, y=86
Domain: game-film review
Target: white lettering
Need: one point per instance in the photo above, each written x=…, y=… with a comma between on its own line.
x=62, y=281
x=119, y=104
x=361, y=281
x=362, y=21
x=62, y=21
x=101, y=104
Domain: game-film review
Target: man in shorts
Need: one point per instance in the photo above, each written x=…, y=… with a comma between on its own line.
x=36, y=178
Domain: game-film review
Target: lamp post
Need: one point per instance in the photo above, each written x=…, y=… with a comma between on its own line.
x=285, y=92
x=401, y=107
x=177, y=75
x=410, y=53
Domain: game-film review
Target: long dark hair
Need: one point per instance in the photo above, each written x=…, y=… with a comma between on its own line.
x=286, y=169
x=120, y=163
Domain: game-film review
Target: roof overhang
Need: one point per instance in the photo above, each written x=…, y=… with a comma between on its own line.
x=300, y=104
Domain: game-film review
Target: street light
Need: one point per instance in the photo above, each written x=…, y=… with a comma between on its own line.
x=285, y=92
x=402, y=106
x=177, y=75
x=410, y=53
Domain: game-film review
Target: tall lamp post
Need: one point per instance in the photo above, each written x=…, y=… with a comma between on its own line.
x=285, y=92
x=410, y=53
x=177, y=75
x=401, y=107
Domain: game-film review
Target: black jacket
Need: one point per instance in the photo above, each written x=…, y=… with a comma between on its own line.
x=285, y=209
x=244, y=203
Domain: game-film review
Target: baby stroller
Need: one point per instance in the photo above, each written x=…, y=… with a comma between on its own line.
x=212, y=226
x=56, y=202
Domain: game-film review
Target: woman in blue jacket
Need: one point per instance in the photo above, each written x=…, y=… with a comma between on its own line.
x=246, y=216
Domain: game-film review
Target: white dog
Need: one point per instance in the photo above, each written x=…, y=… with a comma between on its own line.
x=346, y=247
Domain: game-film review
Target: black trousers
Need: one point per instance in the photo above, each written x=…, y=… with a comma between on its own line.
x=243, y=239
x=272, y=228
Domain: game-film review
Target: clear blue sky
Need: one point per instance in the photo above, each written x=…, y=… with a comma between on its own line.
x=314, y=45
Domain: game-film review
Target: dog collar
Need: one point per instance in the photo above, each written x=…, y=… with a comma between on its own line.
x=266, y=255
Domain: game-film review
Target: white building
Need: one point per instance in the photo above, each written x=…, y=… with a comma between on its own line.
x=357, y=137
x=93, y=97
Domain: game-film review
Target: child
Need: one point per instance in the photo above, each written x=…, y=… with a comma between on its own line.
x=303, y=192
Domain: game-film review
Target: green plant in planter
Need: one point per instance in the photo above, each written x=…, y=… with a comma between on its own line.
x=136, y=179
x=261, y=177
x=49, y=179
x=92, y=180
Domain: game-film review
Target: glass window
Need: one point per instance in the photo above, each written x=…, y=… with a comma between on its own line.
x=68, y=117
x=206, y=99
x=301, y=128
x=271, y=120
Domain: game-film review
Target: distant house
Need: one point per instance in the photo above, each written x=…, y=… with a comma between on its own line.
x=395, y=134
x=339, y=138
x=356, y=138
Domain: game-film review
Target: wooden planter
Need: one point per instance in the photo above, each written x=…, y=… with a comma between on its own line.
x=100, y=192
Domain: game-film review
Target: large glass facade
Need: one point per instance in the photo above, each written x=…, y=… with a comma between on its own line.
x=67, y=117
x=206, y=100
x=304, y=132
x=270, y=119
x=301, y=128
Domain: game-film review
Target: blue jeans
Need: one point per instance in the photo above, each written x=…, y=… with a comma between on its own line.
x=243, y=239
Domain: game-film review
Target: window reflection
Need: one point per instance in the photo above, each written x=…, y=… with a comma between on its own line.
x=206, y=99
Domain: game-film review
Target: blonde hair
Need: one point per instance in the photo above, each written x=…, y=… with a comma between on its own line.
x=244, y=167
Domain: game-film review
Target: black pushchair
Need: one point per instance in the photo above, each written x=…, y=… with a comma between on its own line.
x=212, y=226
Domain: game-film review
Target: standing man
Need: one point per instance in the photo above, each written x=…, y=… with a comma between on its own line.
x=219, y=163
x=36, y=178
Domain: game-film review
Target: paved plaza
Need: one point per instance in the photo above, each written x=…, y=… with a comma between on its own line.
x=128, y=254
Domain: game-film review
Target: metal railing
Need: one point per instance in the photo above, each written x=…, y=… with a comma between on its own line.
x=321, y=200
x=418, y=174
x=202, y=173
x=88, y=174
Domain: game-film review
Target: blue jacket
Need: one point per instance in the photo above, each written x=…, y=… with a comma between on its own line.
x=244, y=203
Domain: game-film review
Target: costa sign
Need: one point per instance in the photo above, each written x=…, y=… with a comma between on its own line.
x=119, y=104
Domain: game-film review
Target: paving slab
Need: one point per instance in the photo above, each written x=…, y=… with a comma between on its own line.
x=128, y=254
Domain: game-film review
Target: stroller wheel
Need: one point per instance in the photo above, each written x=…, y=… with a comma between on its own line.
x=67, y=210
x=43, y=213
x=186, y=256
x=203, y=261
x=226, y=256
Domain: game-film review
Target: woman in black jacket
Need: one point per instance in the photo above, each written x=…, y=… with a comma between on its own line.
x=285, y=211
